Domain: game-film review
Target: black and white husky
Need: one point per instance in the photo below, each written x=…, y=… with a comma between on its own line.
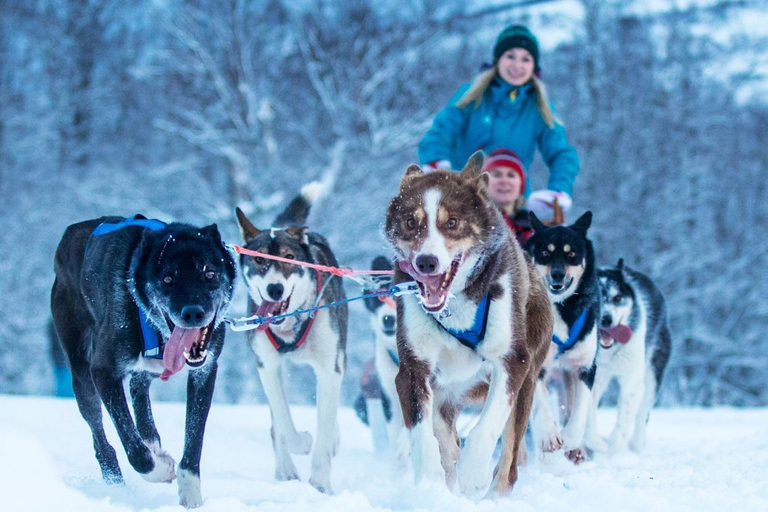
x=634, y=348
x=565, y=258
x=276, y=288
x=135, y=299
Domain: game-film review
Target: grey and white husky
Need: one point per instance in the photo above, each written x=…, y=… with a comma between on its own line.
x=634, y=348
x=277, y=288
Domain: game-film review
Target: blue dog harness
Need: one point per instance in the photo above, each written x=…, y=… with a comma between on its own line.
x=152, y=344
x=473, y=336
x=573, y=334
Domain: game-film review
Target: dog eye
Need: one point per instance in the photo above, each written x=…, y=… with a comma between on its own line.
x=451, y=223
x=210, y=275
x=168, y=279
x=571, y=254
x=258, y=260
x=410, y=223
x=616, y=299
x=290, y=256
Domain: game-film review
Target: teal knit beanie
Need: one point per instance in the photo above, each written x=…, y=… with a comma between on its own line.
x=517, y=36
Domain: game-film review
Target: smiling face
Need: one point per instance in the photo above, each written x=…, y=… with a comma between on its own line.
x=433, y=224
x=515, y=66
x=504, y=187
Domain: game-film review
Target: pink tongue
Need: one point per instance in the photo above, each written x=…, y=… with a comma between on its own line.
x=265, y=308
x=620, y=333
x=181, y=341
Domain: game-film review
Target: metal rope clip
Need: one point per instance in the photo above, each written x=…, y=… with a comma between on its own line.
x=411, y=287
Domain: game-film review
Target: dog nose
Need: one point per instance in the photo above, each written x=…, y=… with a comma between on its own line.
x=275, y=291
x=192, y=314
x=388, y=322
x=427, y=263
x=607, y=321
x=557, y=275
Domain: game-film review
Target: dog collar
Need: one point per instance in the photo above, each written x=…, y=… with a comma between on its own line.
x=473, y=336
x=283, y=347
x=153, y=346
x=573, y=334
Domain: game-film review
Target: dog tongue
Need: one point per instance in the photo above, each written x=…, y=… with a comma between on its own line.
x=265, y=308
x=181, y=341
x=620, y=333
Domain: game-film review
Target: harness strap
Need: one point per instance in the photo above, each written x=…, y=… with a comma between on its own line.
x=153, y=346
x=283, y=347
x=573, y=334
x=473, y=336
x=394, y=357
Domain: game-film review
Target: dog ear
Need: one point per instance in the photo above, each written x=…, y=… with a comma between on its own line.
x=381, y=263
x=474, y=167
x=620, y=266
x=413, y=171
x=536, y=224
x=481, y=182
x=582, y=223
x=211, y=231
x=247, y=229
x=300, y=234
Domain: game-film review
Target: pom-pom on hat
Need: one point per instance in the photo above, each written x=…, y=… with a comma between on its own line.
x=504, y=157
x=517, y=36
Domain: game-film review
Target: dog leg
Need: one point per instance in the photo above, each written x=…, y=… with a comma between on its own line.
x=328, y=392
x=474, y=467
x=650, y=393
x=153, y=467
x=545, y=429
x=142, y=408
x=447, y=437
x=630, y=397
x=282, y=430
x=200, y=384
x=397, y=441
x=592, y=438
x=573, y=432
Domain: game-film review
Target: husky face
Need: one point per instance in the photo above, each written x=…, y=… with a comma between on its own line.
x=618, y=300
x=276, y=287
x=436, y=222
x=382, y=309
x=187, y=275
x=560, y=255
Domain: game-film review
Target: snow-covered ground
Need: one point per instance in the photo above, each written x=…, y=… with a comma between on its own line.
x=702, y=460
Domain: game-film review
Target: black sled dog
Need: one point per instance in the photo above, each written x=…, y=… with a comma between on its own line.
x=634, y=348
x=481, y=321
x=135, y=298
x=565, y=258
x=276, y=288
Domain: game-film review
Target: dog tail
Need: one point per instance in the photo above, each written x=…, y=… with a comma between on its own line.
x=298, y=209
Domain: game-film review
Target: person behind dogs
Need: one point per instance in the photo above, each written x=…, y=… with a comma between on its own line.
x=506, y=184
x=506, y=106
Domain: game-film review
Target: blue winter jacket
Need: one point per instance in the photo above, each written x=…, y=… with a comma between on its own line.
x=498, y=122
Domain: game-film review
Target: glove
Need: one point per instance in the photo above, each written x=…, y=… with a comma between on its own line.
x=540, y=202
x=437, y=164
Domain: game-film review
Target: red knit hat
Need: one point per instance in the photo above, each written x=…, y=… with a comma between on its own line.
x=503, y=157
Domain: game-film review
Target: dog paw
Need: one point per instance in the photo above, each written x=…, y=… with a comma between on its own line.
x=321, y=484
x=164, y=469
x=577, y=455
x=300, y=444
x=551, y=441
x=473, y=471
x=189, y=489
x=286, y=472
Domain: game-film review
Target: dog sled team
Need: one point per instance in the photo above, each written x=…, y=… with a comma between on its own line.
x=490, y=306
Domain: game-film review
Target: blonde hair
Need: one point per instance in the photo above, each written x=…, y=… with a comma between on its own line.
x=483, y=80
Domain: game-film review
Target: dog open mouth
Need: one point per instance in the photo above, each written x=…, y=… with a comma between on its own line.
x=620, y=333
x=434, y=289
x=558, y=288
x=185, y=346
x=268, y=308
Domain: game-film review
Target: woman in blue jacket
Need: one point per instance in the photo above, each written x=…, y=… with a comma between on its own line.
x=506, y=107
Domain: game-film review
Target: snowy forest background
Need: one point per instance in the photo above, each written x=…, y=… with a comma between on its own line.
x=182, y=110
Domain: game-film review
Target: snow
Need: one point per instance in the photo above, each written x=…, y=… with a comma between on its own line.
x=696, y=459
